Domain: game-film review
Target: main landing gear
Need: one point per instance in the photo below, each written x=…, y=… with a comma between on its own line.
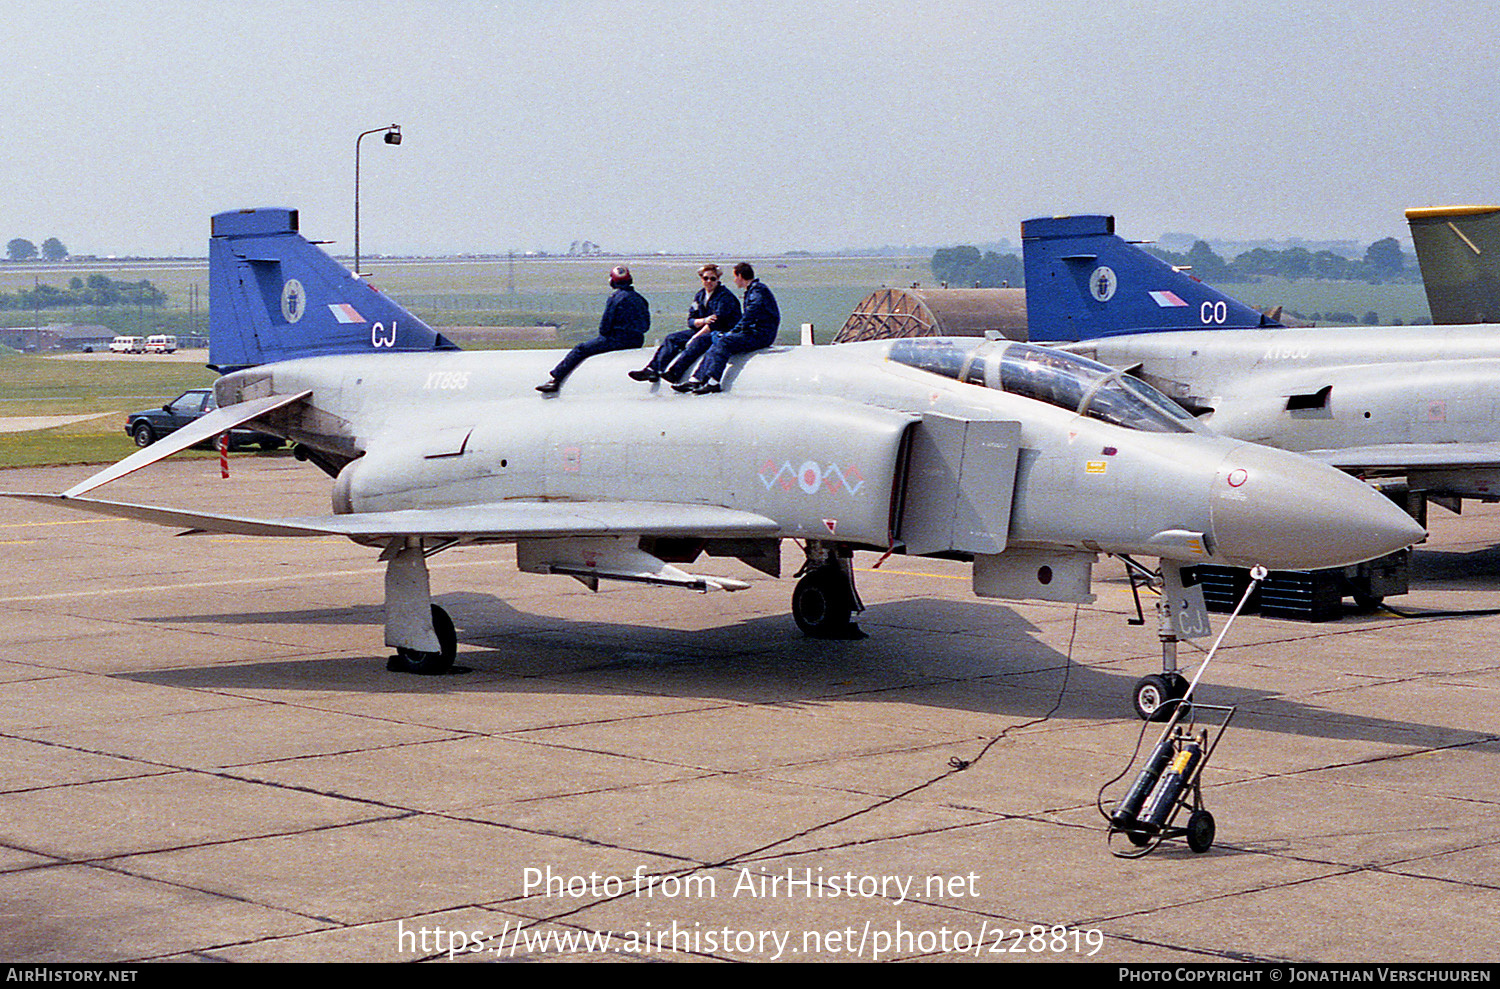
x=421, y=632
x=825, y=600
x=409, y=660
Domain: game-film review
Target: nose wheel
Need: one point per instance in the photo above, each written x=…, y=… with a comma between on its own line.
x=1155, y=696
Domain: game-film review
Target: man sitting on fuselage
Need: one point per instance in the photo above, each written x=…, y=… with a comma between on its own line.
x=760, y=319
x=627, y=317
x=714, y=310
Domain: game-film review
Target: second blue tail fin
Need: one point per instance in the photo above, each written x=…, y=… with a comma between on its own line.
x=275, y=296
x=1083, y=281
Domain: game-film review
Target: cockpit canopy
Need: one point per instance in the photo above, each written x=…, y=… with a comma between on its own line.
x=1052, y=376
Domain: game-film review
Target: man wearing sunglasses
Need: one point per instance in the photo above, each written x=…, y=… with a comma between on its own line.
x=714, y=311
x=759, y=321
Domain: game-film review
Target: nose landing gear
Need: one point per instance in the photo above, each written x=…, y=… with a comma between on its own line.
x=1155, y=696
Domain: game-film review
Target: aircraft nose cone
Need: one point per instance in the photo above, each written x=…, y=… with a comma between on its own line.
x=1287, y=512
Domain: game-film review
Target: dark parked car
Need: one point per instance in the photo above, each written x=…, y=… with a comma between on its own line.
x=150, y=425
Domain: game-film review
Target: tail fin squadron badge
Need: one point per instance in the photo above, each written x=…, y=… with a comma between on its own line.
x=1102, y=283
x=293, y=300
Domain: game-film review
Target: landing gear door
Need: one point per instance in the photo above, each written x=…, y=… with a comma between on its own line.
x=961, y=474
x=1184, y=603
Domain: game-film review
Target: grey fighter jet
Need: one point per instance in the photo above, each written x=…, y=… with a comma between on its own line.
x=1418, y=402
x=1028, y=462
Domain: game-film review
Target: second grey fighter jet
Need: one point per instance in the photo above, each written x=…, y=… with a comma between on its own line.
x=1418, y=402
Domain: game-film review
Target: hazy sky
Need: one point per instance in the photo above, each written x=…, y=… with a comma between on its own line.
x=744, y=126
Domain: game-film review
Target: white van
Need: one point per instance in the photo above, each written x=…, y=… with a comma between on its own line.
x=127, y=345
x=161, y=344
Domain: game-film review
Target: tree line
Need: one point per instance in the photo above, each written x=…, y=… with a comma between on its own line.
x=21, y=249
x=97, y=290
x=965, y=267
x=1383, y=261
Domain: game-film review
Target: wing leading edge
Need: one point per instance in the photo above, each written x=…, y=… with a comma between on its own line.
x=498, y=521
x=1395, y=456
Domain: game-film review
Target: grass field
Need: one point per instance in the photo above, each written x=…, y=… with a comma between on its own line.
x=567, y=291
x=1404, y=302
x=570, y=292
x=51, y=386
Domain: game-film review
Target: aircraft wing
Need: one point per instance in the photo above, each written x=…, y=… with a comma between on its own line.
x=1411, y=455
x=497, y=521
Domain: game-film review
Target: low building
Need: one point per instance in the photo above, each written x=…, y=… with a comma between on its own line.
x=56, y=336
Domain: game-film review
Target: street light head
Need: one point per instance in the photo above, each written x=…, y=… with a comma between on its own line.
x=393, y=136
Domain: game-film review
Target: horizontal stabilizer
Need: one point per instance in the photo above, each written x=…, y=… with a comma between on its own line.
x=206, y=428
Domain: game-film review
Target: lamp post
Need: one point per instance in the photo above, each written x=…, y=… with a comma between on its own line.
x=392, y=136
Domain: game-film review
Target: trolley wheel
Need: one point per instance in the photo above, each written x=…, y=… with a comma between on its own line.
x=1200, y=831
x=1154, y=695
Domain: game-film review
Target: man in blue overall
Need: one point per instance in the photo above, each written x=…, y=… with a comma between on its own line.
x=627, y=317
x=759, y=321
x=714, y=310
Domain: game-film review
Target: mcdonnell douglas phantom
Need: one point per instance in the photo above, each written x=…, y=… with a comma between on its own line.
x=1026, y=461
x=1418, y=402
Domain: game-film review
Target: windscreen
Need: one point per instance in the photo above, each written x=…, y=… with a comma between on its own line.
x=1052, y=376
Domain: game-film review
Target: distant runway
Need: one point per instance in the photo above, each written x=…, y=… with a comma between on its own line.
x=23, y=424
x=203, y=758
x=195, y=356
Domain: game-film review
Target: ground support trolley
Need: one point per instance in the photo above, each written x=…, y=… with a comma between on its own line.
x=1170, y=784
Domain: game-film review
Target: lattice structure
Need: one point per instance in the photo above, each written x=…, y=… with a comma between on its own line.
x=949, y=312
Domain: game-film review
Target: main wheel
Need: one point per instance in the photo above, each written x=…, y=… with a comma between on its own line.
x=1200, y=831
x=821, y=604
x=143, y=434
x=1156, y=695
x=432, y=663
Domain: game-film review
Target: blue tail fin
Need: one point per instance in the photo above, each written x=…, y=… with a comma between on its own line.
x=275, y=296
x=1083, y=282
